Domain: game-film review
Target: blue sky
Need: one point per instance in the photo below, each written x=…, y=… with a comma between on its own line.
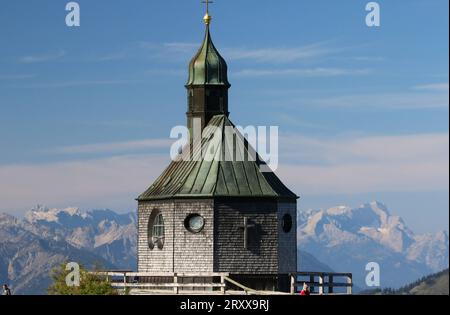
x=85, y=113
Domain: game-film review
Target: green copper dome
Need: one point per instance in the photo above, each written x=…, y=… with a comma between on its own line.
x=208, y=67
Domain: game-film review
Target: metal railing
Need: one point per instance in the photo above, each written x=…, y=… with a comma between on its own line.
x=215, y=282
x=324, y=281
x=167, y=282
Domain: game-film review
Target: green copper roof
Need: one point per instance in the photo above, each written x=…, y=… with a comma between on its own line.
x=215, y=176
x=208, y=66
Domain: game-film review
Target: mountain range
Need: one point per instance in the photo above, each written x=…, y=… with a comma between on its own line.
x=45, y=238
x=347, y=239
x=338, y=239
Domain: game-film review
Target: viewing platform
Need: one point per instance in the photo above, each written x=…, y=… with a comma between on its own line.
x=213, y=283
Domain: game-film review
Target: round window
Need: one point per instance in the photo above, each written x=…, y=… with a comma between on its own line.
x=286, y=223
x=194, y=223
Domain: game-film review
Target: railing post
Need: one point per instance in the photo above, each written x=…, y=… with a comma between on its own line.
x=222, y=282
x=292, y=276
x=124, y=282
x=349, y=284
x=311, y=286
x=175, y=282
x=330, y=284
x=321, y=284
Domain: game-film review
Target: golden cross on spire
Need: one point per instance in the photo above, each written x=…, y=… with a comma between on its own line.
x=207, y=18
x=207, y=2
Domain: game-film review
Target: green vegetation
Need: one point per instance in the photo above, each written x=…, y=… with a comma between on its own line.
x=90, y=283
x=435, y=284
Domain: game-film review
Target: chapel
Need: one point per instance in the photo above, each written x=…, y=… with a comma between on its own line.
x=218, y=207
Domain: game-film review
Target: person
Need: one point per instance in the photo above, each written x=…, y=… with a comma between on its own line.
x=305, y=290
x=6, y=290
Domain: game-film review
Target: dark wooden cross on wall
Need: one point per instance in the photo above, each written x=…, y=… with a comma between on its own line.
x=246, y=227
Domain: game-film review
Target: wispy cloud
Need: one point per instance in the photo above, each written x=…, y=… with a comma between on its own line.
x=115, y=147
x=68, y=84
x=181, y=47
x=279, y=55
x=314, y=72
x=376, y=101
x=443, y=87
x=308, y=166
x=366, y=164
x=43, y=57
x=171, y=72
x=353, y=149
x=107, y=182
x=111, y=57
x=369, y=58
x=17, y=77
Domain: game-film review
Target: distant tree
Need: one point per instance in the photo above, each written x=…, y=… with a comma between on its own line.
x=427, y=280
x=90, y=283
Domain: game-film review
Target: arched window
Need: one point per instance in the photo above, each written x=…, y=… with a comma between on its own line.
x=156, y=230
x=286, y=223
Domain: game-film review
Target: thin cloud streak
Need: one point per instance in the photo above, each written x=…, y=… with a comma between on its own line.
x=258, y=55
x=442, y=87
x=381, y=101
x=17, y=77
x=352, y=165
x=106, y=182
x=365, y=149
x=366, y=164
x=181, y=47
x=69, y=84
x=112, y=57
x=315, y=72
x=279, y=55
x=43, y=57
x=114, y=147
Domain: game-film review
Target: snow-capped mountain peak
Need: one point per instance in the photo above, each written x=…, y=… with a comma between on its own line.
x=82, y=229
x=41, y=213
x=338, y=210
x=341, y=235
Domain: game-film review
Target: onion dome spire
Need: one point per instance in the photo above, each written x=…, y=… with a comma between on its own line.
x=207, y=84
x=208, y=66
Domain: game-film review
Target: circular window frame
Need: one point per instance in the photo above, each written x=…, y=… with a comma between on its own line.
x=287, y=223
x=187, y=220
x=150, y=227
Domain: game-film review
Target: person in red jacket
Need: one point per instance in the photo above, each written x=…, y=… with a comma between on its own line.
x=305, y=290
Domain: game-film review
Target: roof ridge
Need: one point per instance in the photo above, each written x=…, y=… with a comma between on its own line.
x=205, y=139
x=222, y=153
x=215, y=153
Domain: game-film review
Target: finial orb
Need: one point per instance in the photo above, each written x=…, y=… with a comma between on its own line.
x=207, y=18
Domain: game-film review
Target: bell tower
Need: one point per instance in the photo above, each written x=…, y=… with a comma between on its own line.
x=208, y=85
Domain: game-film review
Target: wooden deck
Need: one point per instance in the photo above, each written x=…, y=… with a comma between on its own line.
x=211, y=283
